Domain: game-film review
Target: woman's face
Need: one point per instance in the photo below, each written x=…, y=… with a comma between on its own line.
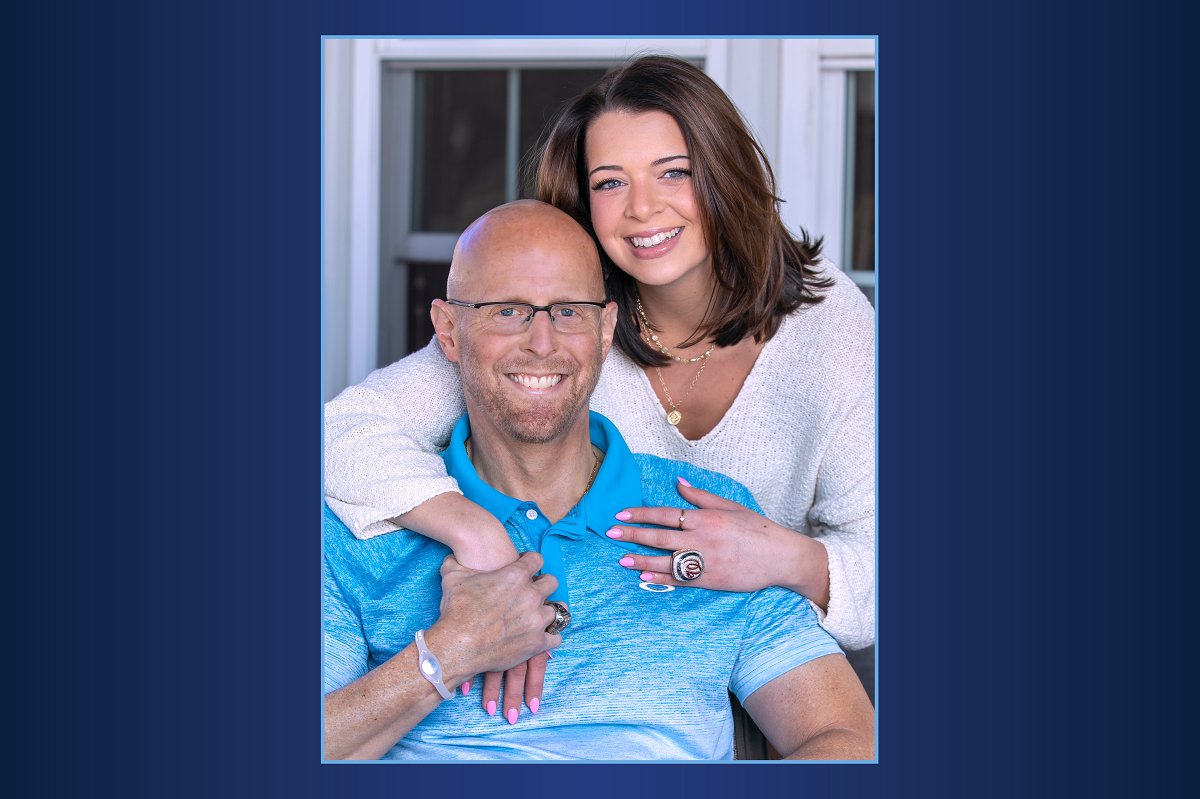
x=644, y=208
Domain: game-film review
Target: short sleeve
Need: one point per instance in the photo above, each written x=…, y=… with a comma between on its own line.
x=782, y=633
x=345, y=656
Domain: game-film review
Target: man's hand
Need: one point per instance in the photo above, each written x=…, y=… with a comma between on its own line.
x=493, y=621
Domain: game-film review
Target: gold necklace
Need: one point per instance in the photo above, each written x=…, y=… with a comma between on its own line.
x=674, y=416
x=591, y=479
x=652, y=339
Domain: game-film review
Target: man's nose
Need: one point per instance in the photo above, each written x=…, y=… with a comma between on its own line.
x=541, y=334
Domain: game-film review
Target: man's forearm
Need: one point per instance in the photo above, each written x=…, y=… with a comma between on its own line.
x=477, y=538
x=364, y=719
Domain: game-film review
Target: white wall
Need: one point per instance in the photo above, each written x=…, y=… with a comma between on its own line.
x=788, y=90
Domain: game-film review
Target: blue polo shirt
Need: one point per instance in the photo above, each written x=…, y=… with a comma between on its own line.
x=643, y=670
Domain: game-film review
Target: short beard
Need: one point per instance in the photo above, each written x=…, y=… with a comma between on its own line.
x=542, y=421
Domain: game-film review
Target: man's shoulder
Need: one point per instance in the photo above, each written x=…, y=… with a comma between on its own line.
x=660, y=476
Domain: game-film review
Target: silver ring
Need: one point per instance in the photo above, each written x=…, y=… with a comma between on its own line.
x=681, y=512
x=562, y=617
x=687, y=565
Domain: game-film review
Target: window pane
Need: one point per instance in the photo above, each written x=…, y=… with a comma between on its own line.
x=459, y=163
x=863, y=246
x=543, y=93
x=426, y=283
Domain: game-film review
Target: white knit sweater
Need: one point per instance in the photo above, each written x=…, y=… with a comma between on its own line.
x=800, y=435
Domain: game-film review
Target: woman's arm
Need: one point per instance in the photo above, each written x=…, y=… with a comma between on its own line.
x=382, y=470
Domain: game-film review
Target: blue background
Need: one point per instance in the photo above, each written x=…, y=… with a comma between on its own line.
x=164, y=332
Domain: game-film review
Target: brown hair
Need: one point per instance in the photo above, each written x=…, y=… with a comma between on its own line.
x=764, y=272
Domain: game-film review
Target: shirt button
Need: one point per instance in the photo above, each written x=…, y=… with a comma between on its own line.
x=531, y=514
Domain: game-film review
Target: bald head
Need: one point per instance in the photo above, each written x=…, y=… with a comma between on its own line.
x=523, y=238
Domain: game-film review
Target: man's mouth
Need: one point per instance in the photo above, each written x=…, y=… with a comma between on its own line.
x=536, y=381
x=655, y=240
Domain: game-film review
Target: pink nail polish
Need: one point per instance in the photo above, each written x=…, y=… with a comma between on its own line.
x=491, y=708
x=533, y=705
x=685, y=482
x=549, y=655
x=512, y=716
x=647, y=576
x=613, y=533
x=466, y=688
x=624, y=515
x=626, y=561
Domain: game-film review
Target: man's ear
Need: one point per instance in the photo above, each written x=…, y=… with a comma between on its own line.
x=608, y=326
x=445, y=324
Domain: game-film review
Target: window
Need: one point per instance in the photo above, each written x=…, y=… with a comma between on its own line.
x=859, y=226
x=454, y=140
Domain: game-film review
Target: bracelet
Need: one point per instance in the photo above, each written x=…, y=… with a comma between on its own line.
x=430, y=666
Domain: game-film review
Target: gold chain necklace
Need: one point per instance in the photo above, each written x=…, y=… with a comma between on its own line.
x=674, y=416
x=591, y=479
x=652, y=339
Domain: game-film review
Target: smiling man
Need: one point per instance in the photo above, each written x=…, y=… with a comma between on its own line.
x=643, y=670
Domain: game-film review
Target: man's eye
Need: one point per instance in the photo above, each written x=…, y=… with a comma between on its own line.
x=507, y=312
x=567, y=312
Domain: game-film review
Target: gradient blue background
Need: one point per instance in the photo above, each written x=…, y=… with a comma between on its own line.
x=164, y=333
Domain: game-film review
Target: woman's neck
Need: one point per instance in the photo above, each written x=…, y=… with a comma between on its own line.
x=677, y=309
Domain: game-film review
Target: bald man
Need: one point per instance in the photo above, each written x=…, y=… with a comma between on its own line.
x=643, y=670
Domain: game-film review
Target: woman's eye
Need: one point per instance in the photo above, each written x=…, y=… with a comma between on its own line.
x=677, y=173
x=611, y=183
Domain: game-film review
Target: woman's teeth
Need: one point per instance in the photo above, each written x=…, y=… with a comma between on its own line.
x=655, y=240
x=530, y=381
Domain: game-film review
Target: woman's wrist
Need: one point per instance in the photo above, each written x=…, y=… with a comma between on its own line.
x=806, y=570
x=478, y=539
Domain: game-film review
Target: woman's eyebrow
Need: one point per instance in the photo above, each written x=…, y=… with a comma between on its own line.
x=616, y=168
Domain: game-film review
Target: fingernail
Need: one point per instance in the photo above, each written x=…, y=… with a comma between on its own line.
x=613, y=533
x=533, y=706
x=548, y=655
x=624, y=515
x=512, y=716
x=466, y=688
x=647, y=576
x=685, y=482
x=491, y=708
x=626, y=561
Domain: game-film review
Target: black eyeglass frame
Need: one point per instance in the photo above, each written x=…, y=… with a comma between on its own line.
x=549, y=309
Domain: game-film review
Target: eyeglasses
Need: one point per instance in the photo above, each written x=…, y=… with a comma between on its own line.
x=510, y=318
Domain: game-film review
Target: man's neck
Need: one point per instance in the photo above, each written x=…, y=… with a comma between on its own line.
x=554, y=475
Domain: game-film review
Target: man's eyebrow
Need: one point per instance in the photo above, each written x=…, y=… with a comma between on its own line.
x=616, y=168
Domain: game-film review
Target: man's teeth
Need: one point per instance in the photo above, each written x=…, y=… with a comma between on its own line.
x=655, y=240
x=530, y=381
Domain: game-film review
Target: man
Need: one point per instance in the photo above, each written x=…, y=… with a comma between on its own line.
x=643, y=670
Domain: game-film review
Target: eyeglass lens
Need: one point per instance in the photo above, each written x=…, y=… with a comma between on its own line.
x=565, y=318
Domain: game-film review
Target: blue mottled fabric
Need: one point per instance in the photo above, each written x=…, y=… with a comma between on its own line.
x=641, y=675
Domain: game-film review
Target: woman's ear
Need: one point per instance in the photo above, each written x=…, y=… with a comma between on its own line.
x=445, y=324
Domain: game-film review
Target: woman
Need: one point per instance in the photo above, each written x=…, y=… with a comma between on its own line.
x=735, y=351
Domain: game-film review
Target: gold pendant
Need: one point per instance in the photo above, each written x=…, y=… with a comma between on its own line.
x=673, y=417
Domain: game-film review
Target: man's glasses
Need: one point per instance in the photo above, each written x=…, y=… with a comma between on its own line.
x=509, y=318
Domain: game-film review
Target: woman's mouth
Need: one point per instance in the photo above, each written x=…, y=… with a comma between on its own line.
x=646, y=242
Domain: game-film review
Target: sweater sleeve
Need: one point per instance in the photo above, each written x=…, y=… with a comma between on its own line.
x=843, y=512
x=382, y=439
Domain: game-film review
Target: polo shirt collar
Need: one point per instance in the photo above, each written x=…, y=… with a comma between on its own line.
x=618, y=484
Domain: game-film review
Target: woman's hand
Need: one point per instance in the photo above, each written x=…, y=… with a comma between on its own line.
x=743, y=550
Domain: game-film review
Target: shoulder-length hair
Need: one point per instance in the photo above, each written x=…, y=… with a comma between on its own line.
x=763, y=272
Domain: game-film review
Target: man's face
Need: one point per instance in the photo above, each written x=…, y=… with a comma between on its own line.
x=533, y=385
